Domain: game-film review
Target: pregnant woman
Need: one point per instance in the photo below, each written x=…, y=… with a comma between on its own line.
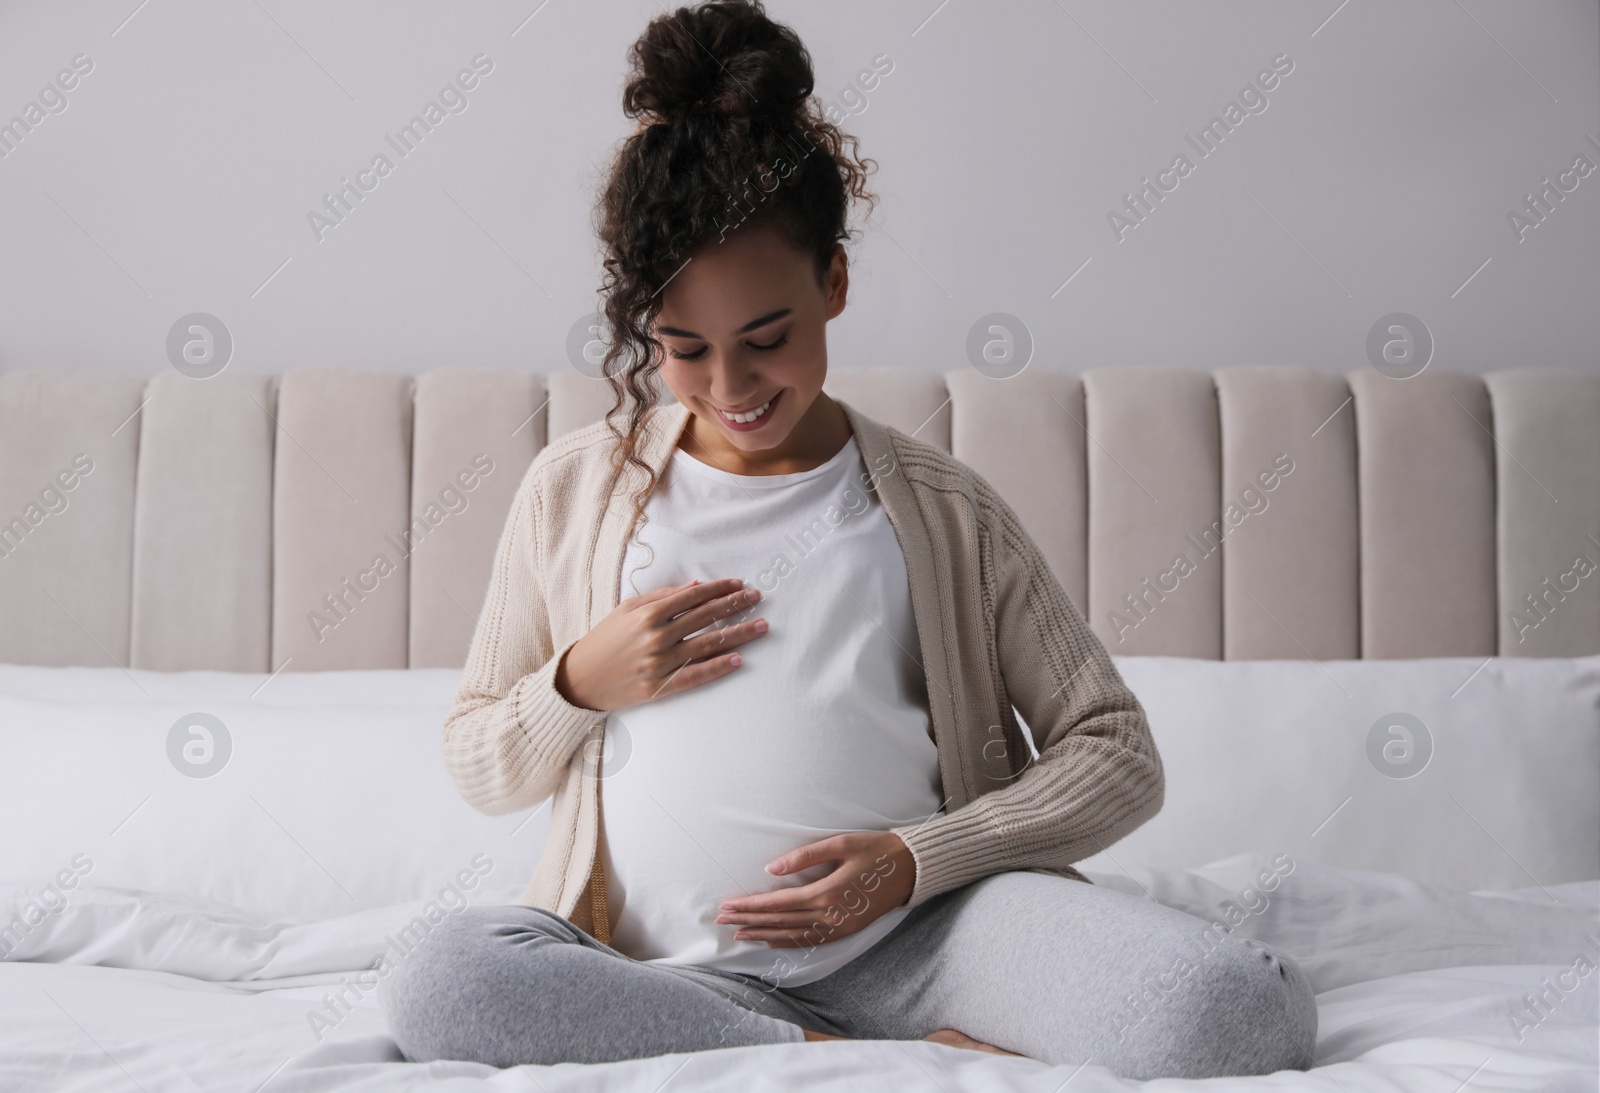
x=763, y=652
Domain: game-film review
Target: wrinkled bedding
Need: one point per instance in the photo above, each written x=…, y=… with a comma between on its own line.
x=1418, y=988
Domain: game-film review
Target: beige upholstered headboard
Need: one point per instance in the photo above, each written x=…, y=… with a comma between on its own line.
x=260, y=523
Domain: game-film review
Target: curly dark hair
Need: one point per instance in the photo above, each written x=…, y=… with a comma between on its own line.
x=730, y=135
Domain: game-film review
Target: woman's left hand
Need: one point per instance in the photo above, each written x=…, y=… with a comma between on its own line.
x=875, y=874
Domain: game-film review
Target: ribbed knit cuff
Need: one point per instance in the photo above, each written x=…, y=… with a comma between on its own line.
x=951, y=850
x=553, y=726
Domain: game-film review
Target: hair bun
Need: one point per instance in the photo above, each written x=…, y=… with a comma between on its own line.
x=723, y=57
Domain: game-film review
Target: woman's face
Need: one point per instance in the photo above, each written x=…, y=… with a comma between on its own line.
x=744, y=325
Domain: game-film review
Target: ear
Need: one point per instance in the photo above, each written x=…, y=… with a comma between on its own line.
x=838, y=281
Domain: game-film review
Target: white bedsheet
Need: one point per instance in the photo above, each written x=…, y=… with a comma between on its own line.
x=123, y=989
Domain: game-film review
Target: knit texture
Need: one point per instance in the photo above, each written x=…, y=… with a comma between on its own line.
x=996, y=630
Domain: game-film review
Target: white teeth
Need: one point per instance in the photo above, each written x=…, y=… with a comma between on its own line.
x=744, y=419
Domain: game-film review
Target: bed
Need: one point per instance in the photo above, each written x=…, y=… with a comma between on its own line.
x=1378, y=701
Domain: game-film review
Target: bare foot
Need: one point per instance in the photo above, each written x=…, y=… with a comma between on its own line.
x=960, y=1039
x=947, y=1036
x=818, y=1037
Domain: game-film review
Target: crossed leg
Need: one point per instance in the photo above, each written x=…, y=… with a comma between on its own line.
x=1068, y=973
x=512, y=984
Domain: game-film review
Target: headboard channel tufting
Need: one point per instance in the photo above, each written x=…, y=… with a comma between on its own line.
x=329, y=519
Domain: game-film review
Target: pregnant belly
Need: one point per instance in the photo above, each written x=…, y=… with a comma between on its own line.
x=700, y=793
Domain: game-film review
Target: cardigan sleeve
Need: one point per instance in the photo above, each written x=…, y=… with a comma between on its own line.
x=510, y=734
x=1098, y=774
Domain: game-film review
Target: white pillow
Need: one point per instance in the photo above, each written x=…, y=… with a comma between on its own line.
x=1260, y=754
x=333, y=798
x=1345, y=926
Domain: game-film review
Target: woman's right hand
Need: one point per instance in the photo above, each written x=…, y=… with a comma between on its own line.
x=638, y=652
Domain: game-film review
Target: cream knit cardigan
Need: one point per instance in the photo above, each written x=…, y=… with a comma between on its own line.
x=995, y=630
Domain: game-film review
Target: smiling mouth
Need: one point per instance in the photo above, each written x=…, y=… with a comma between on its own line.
x=749, y=416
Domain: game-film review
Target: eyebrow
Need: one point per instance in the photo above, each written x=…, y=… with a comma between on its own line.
x=745, y=329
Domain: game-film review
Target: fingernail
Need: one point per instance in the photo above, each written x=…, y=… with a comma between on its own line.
x=753, y=595
x=761, y=626
x=775, y=867
x=736, y=660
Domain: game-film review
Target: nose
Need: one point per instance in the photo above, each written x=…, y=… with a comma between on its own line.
x=732, y=384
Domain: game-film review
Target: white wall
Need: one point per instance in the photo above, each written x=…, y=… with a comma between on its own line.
x=1379, y=179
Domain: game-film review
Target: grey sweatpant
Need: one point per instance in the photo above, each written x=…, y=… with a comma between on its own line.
x=1055, y=969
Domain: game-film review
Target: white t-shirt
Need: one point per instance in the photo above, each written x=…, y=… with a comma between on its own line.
x=823, y=729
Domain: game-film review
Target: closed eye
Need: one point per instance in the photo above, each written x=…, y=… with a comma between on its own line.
x=698, y=353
